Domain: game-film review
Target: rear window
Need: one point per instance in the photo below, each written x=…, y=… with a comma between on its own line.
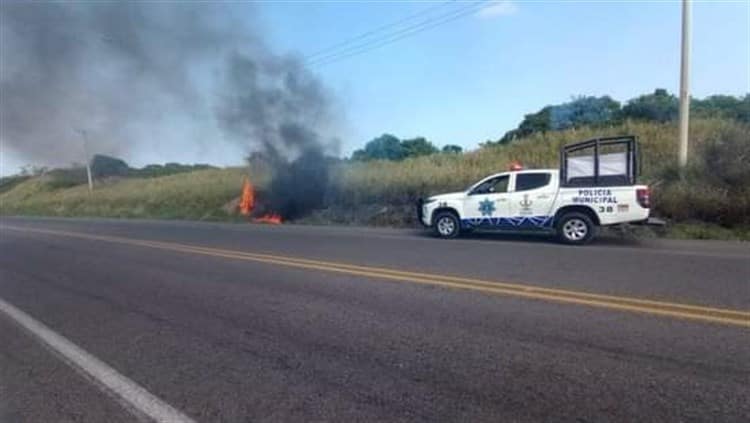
x=527, y=181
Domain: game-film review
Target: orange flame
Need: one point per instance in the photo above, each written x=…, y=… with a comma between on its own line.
x=247, y=202
x=271, y=218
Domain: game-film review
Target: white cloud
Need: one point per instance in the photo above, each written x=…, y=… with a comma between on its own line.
x=498, y=8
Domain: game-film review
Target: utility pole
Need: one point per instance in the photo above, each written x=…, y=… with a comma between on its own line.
x=88, y=159
x=685, y=83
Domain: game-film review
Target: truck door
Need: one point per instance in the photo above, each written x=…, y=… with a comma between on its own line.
x=531, y=199
x=487, y=203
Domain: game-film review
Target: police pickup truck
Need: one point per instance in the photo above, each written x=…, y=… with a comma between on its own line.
x=594, y=186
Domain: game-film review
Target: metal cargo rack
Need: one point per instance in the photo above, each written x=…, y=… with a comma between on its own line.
x=631, y=160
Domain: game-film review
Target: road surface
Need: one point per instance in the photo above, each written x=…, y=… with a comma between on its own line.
x=107, y=320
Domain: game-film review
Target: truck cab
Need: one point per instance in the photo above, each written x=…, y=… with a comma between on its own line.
x=588, y=191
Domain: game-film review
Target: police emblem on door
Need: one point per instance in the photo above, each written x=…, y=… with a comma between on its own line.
x=486, y=207
x=526, y=205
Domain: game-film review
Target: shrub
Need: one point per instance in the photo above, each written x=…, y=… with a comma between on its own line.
x=103, y=166
x=715, y=187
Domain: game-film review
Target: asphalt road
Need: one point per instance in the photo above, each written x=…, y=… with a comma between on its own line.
x=253, y=323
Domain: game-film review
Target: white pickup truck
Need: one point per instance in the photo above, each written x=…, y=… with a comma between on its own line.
x=595, y=186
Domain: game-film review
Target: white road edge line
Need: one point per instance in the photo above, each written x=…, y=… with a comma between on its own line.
x=127, y=391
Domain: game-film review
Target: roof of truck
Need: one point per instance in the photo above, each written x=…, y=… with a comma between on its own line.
x=526, y=171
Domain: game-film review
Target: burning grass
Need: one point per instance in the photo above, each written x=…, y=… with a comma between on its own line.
x=247, y=206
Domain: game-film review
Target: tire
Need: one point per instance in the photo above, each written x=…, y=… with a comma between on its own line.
x=575, y=229
x=446, y=225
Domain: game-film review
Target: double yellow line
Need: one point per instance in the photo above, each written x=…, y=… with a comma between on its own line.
x=638, y=305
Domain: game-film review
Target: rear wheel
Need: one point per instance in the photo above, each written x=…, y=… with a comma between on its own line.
x=446, y=225
x=575, y=228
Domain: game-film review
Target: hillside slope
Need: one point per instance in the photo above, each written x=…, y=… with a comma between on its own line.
x=194, y=195
x=715, y=190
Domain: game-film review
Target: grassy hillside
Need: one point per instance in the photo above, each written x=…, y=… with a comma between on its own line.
x=7, y=183
x=715, y=191
x=194, y=195
x=396, y=181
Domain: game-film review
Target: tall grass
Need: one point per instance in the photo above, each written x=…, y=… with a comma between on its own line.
x=7, y=183
x=400, y=182
x=193, y=195
x=714, y=190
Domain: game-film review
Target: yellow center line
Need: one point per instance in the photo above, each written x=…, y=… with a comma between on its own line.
x=639, y=305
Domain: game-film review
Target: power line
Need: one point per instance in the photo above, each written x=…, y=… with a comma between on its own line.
x=398, y=35
x=376, y=30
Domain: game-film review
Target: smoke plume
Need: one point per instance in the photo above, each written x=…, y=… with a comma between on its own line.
x=278, y=103
x=122, y=71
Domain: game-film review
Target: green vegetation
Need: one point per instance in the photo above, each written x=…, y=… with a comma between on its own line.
x=104, y=169
x=157, y=170
x=198, y=195
x=714, y=190
x=389, y=147
x=104, y=166
x=660, y=106
x=711, y=199
x=7, y=183
x=452, y=149
x=715, y=187
x=700, y=230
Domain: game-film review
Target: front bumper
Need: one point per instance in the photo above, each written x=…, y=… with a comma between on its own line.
x=420, y=211
x=422, y=216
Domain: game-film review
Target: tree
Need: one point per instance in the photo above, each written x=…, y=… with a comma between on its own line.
x=583, y=111
x=659, y=106
x=580, y=111
x=452, y=149
x=722, y=106
x=416, y=147
x=359, y=155
x=384, y=147
x=103, y=166
x=743, y=114
x=535, y=122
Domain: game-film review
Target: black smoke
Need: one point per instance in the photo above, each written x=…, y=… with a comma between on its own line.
x=279, y=104
x=113, y=69
x=121, y=71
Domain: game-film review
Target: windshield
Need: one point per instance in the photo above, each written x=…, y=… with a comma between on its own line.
x=494, y=185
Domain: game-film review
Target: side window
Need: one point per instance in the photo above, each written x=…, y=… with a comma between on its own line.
x=501, y=184
x=495, y=185
x=528, y=181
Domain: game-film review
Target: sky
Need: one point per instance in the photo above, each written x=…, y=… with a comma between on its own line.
x=473, y=78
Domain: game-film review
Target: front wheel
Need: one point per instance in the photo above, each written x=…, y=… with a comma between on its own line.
x=446, y=225
x=575, y=229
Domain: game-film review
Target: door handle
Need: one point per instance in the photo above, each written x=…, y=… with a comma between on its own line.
x=542, y=197
x=501, y=199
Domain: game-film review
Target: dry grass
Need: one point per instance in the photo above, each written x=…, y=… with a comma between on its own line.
x=382, y=192
x=194, y=195
x=398, y=182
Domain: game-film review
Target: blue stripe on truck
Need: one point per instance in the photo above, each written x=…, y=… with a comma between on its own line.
x=510, y=222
